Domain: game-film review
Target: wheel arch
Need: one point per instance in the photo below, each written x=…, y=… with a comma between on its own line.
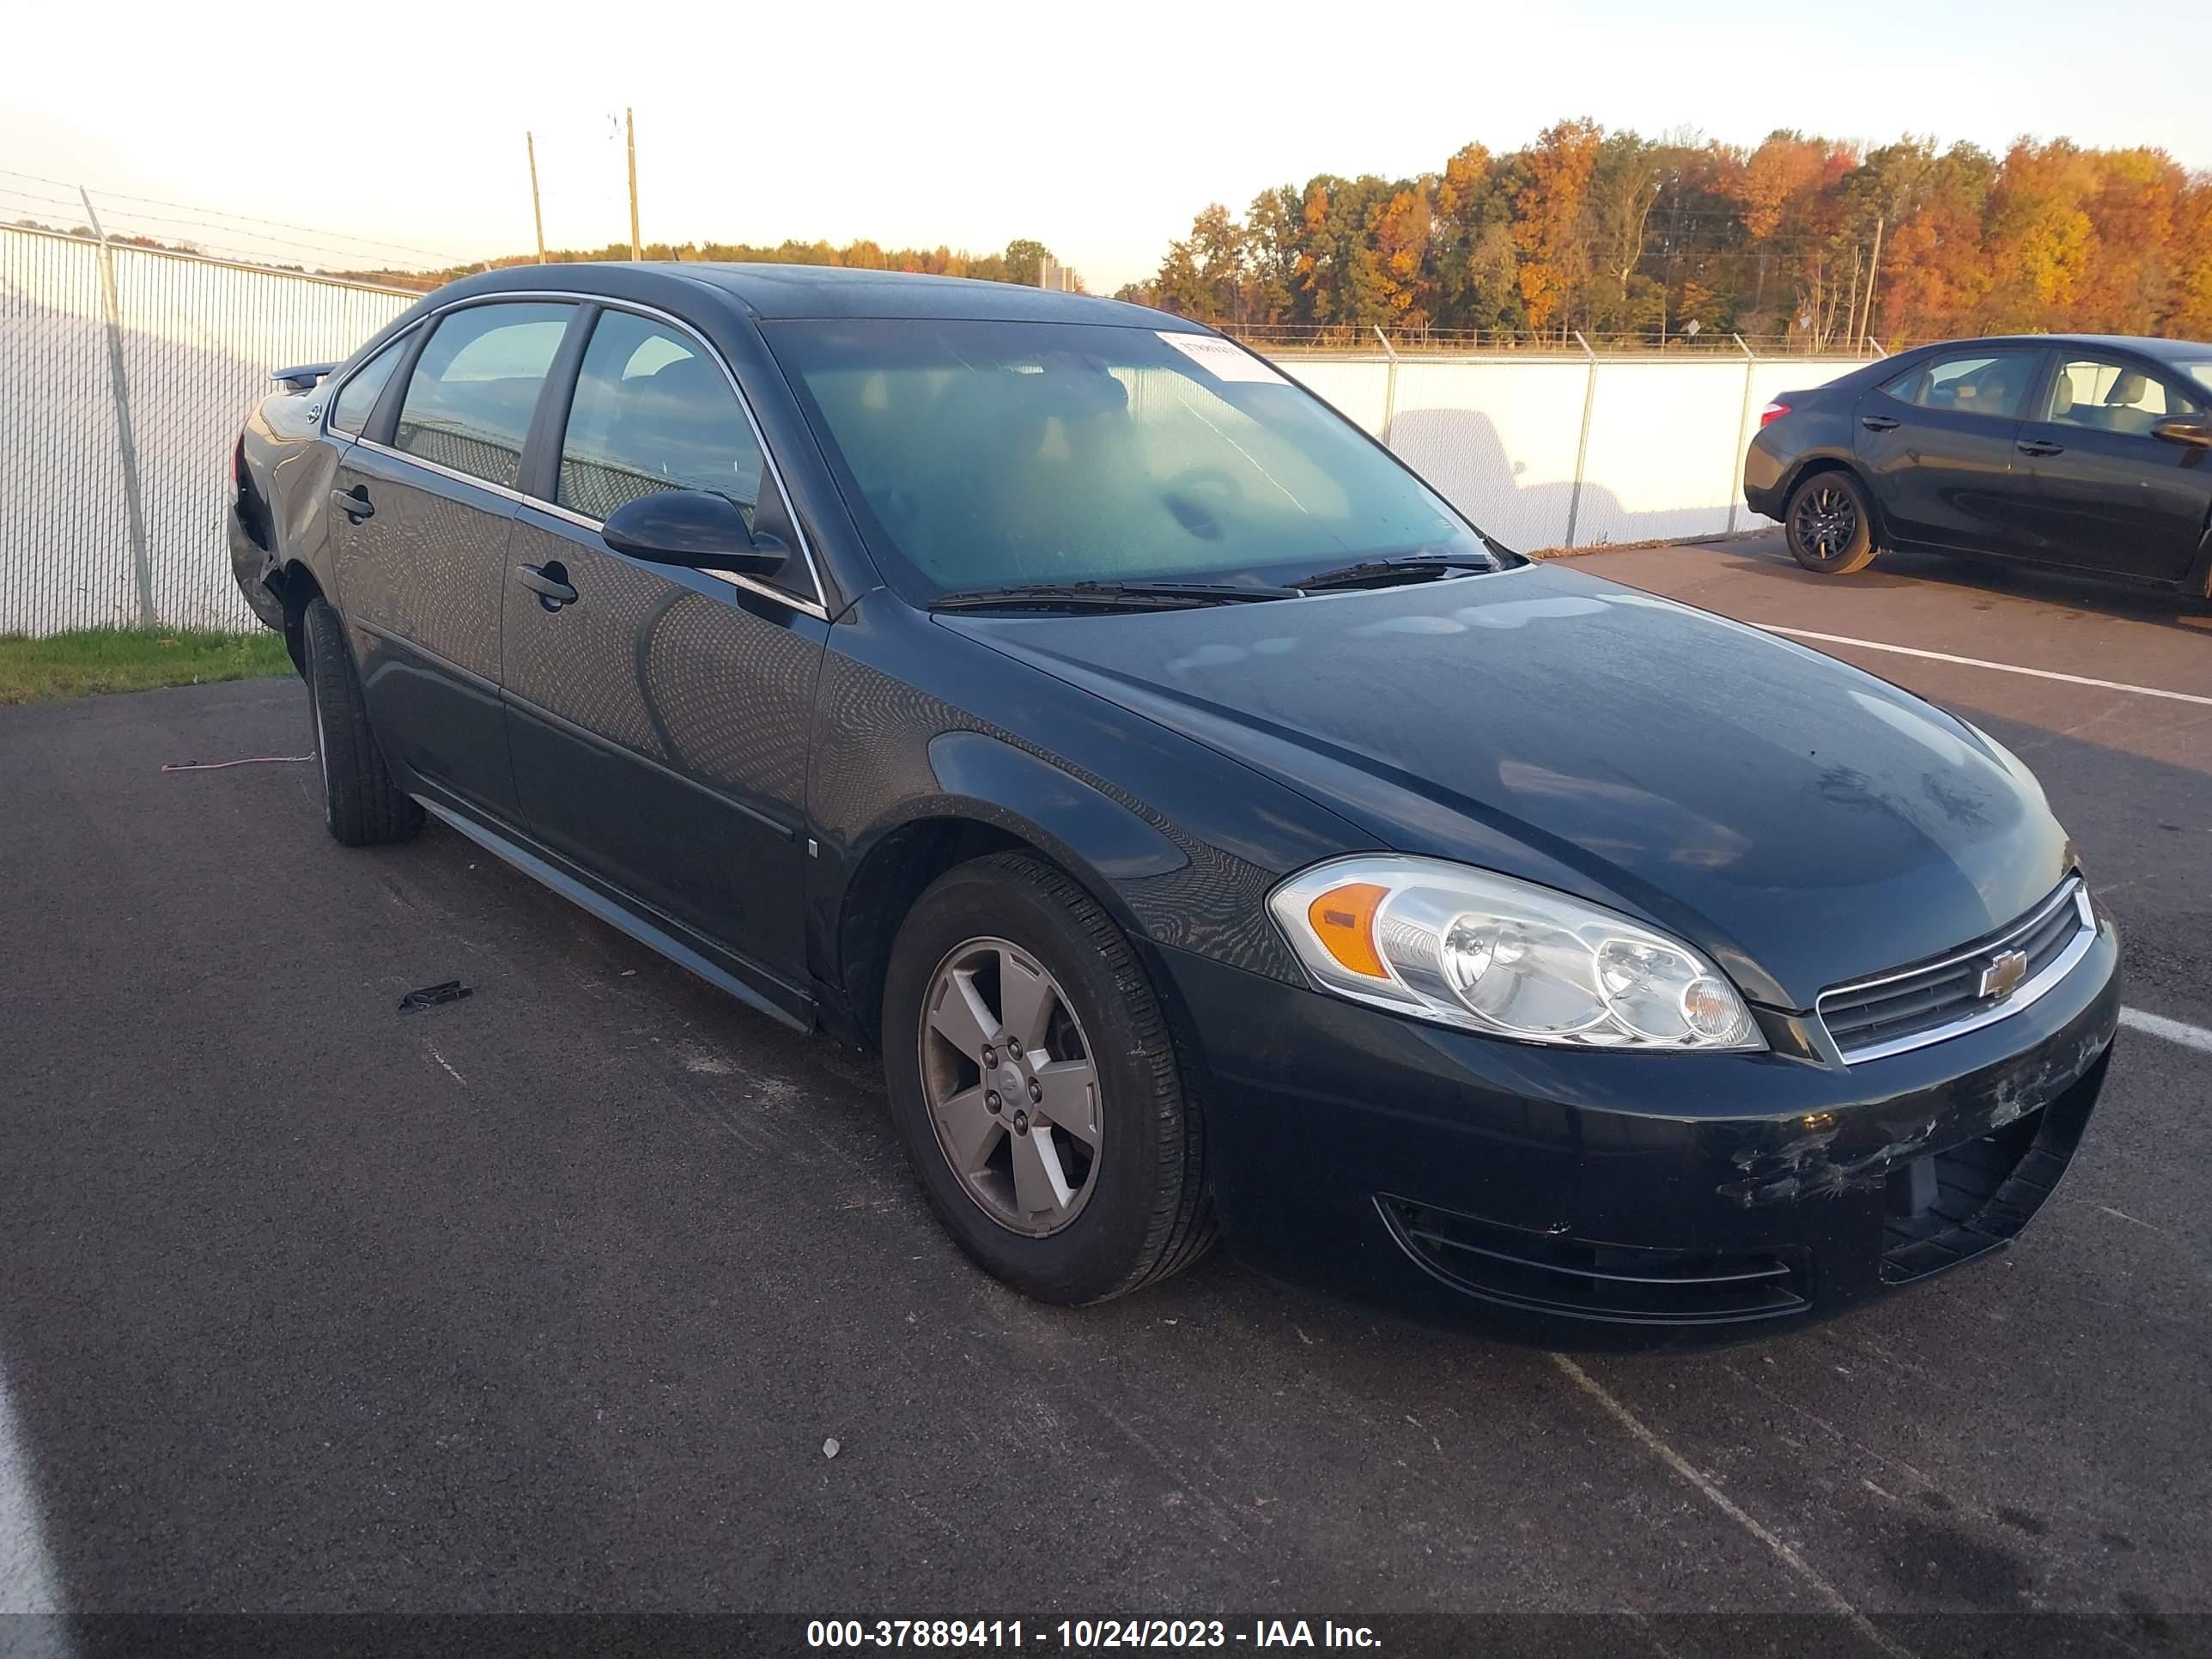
x=998, y=798
x=297, y=587
x=1812, y=465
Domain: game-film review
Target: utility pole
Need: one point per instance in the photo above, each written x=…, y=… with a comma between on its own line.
x=537, y=215
x=1874, y=265
x=630, y=133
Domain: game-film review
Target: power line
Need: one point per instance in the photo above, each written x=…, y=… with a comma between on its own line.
x=436, y=261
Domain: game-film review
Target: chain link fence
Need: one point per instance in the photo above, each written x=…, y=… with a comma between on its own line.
x=125, y=376
x=126, y=373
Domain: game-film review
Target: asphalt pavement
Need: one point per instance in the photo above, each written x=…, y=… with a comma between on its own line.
x=548, y=1299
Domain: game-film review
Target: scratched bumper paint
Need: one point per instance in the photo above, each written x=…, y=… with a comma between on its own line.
x=1775, y=1156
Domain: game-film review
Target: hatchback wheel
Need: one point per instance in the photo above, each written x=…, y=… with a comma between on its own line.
x=1830, y=527
x=1036, y=1086
x=360, y=804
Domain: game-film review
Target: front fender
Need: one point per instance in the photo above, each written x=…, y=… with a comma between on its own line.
x=993, y=780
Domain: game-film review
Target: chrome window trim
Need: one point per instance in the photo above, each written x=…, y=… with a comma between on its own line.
x=443, y=471
x=817, y=607
x=2073, y=891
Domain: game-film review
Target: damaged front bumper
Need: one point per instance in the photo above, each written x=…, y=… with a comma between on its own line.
x=1597, y=1200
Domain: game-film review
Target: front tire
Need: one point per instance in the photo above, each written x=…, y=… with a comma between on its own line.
x=1036, y=1086
x=360, y=804
x=1830, y=525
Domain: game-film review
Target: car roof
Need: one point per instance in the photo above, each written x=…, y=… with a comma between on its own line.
x=770, y=291
x=2143, y=346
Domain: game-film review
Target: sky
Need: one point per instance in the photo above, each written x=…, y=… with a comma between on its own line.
x=1099, y=131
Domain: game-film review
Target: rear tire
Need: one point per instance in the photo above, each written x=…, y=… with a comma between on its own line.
x=1130, y=1203
x=360, y=804
x=1830, y=525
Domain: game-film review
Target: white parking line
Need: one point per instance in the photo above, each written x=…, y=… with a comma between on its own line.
x=1977, y=662
x=29, y=1582
x=1728, y=1506
x=2173, y=1031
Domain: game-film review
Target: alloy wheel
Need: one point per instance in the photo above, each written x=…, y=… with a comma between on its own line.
x=1826, y=522
x=1011, y=1086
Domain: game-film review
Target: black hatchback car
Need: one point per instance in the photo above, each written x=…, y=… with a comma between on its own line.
x=2082, y=451
x=1213, y=830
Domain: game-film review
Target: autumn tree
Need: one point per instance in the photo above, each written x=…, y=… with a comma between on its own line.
x=1548, y=218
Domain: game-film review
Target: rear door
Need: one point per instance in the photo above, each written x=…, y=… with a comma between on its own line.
x=1936, y=440
x=2112, y=498
x=420, y=543
x=661, y=721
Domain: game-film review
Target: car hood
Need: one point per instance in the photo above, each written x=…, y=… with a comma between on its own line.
x=1803, y=821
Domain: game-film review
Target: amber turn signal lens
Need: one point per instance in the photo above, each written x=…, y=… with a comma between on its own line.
x=1343, y=919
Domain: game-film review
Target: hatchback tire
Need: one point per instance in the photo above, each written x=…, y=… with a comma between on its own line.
x=1830, y=525
x=1036, y=1085
x=360, y=804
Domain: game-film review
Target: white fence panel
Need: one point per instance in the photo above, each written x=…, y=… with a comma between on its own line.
x=1497, y=438
x=1358, y=388
x=1662, y=460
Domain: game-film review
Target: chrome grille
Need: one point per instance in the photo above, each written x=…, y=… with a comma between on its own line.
x=1971, y=987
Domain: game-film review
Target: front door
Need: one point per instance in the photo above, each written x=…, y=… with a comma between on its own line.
x=1937, y=443
x=2114, y=498
x=659, y=720
x=419, y=543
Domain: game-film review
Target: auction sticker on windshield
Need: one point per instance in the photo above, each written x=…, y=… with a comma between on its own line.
x=1220, y=358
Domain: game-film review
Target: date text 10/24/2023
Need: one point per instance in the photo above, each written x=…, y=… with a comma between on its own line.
x=1086, y=1635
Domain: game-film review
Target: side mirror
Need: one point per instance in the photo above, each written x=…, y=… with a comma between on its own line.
x=2193, y=429
x=694, y=528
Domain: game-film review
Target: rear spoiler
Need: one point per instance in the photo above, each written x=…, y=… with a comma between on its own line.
x=303, y=377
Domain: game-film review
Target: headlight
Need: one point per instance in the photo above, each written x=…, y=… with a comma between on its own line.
x=1464, y=947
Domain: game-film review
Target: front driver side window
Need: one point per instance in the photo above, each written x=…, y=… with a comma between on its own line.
x=1969, y=383
x=2107, y=396
x=653, y=412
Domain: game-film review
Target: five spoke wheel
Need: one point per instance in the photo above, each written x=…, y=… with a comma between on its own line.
x=1010, y=1084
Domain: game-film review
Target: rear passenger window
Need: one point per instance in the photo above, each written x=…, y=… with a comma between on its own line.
x=1977, y=383
x=2106, y=395
x=358, y=396
x=470, y=399
x=653, y=412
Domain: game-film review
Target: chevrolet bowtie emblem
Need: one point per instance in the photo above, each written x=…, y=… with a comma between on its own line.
x=2002, y=974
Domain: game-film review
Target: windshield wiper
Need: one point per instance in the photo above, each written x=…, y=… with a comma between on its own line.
x=1109, y=595
x=1389, y=573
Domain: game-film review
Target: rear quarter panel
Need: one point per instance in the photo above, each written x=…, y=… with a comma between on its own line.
x=290, y=464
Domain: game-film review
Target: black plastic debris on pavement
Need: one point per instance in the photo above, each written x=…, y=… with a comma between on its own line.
x=431, y=996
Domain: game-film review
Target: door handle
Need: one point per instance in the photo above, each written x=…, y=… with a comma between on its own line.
x=354, y=503
x=2039, y=447
x=549, y=581
x=1878, y=422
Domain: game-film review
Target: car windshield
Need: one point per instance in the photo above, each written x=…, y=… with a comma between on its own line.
x=2200, y=373
x=983, y=455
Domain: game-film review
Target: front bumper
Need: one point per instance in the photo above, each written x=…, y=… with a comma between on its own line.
x=1583, y=1198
